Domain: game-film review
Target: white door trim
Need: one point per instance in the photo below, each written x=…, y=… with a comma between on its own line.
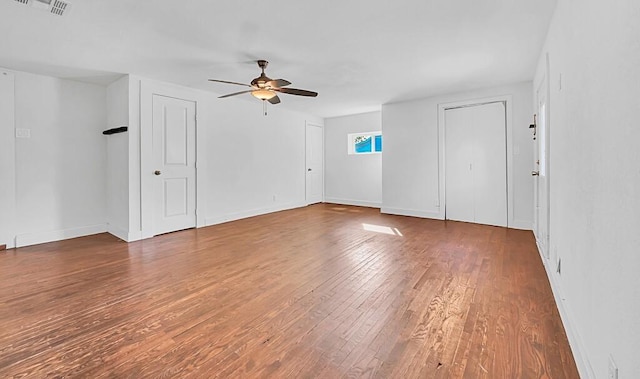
x=148, y=88
x=508, y=101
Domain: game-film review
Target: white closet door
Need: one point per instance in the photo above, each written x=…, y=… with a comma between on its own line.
x=476, y=165
x=458, y=165
x=490, y=164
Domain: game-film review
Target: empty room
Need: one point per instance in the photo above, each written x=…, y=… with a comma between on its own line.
x=287, y=189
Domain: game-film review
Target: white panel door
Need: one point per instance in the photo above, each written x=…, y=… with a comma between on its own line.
x=314, y=162
x=7, y=159
x=174, y=156
x=476, y=164
x=458, y=166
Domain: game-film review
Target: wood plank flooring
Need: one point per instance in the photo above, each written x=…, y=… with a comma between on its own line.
x=325, y=291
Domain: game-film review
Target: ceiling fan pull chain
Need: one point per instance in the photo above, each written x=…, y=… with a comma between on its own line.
x=264, y=107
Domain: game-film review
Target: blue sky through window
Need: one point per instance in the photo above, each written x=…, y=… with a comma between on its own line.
x=364, y=145
x=378, y=144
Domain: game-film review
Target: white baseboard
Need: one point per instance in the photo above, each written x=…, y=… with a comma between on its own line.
x=411, y=212
x=521, y=224
x=10, y=244
x=575, y=341
x=134, y=236
x=29, y=239
x=358, y=203
x=123, y=234
x=515, y=224
x=118, y=232
x=250, y=213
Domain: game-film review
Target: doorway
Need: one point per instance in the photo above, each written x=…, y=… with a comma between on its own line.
x=174, y=163
x=475, y=147
x=314, y=164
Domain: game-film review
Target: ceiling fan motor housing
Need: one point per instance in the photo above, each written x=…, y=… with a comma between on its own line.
x=262, y=80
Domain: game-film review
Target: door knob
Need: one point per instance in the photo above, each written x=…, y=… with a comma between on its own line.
x=308, y=169
x=535, y=173
x=157, y=172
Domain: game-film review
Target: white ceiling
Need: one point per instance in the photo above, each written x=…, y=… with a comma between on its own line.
x=356, y=54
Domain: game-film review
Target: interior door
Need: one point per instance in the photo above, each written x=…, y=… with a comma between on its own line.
x=540, y=172
x=7, y=159
x=174, y=156
x=459, y=148
x=476, y=164
x=314, y=162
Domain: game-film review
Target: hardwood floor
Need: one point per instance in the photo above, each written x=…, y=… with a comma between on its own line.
x=325, y=291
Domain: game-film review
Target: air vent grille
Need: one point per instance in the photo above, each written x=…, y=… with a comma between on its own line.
x=58, y=7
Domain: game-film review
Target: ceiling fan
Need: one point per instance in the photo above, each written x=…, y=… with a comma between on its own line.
x=265, y=88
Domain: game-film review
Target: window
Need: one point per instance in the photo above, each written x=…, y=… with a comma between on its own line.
x=364, y=143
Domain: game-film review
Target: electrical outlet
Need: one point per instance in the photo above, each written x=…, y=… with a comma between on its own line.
x=613, y=369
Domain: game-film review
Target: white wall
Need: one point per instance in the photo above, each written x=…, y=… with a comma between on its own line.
x=68, y=172
x=594, y=58
x=248, y=163
x=118, y=159
x=254, y=163
x=411, y=167
x=354, y=179
x=60, y=169
x=135, y=186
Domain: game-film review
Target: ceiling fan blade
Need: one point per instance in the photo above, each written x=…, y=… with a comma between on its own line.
x=225, y=81
x=235, y=93
x=274, y=100
x=295, y=91
x=277, y=83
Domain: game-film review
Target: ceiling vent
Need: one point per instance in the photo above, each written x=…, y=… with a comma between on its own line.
x=57, y=7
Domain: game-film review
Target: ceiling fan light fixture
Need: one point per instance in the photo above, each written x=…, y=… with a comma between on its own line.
x=263, y=94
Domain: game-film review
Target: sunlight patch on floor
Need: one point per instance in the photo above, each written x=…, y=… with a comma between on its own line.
x=381, y=229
